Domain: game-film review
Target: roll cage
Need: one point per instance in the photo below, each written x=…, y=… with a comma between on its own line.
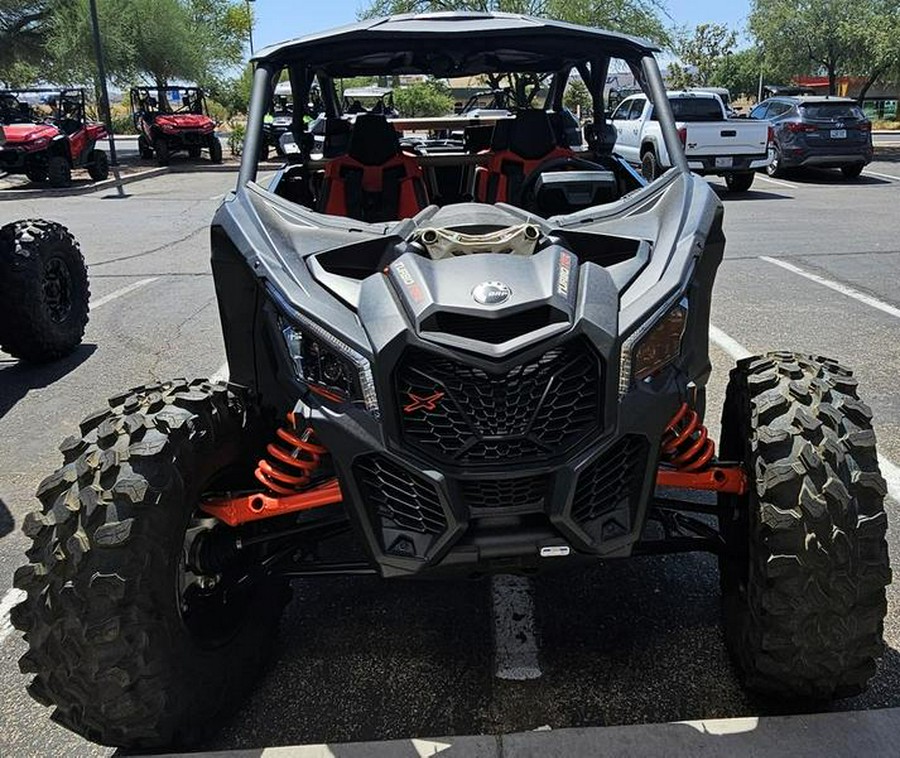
x=155, y=100
x=67, y=106
x=449, y=45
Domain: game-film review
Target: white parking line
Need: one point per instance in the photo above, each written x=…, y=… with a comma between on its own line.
x=889, y=469
x=115, y=294
x=220, y=374
x=874, y=302
x=12, y=597
x=882, y=176
x=779, y=182
x=515, y=642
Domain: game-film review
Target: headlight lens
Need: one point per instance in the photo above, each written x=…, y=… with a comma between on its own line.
x=327, y=366
x=651, y=349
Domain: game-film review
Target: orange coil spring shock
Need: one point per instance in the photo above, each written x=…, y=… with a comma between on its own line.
x=686, y=443
x=295, y=460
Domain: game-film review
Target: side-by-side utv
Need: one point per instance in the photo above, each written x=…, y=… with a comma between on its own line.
x=171, y=120
x=485, y=356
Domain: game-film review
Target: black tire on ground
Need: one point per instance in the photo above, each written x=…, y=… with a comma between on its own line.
x=98, y=165
x=852, y=170
x=163, y=154
x=37, y=173
x=215, y=150
x=774, y=168
x=194, y=152
x=649, y=165
x=44, y=291
x=806, y=562
x=124, y=657
x=59, y=171
x=264, y=151
x=739, y=181
x=144, y=148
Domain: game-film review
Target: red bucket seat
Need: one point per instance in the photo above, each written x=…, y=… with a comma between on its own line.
x=375, y=180
x=518, y=147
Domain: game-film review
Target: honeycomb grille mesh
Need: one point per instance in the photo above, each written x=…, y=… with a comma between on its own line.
x=537, y=409
x=399, y=496
x=614, y=476
x=524, y=492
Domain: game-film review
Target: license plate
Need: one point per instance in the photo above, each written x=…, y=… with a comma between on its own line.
x=724, y=162
x=838, y=134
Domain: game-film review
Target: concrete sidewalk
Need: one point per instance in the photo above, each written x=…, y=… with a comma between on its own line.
x=855, y=734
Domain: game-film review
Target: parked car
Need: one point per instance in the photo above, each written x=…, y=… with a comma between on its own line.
x=47, y=146
x=713, y=143
x=816, y=130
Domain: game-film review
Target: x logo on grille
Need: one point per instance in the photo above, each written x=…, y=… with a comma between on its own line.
x=422, y=403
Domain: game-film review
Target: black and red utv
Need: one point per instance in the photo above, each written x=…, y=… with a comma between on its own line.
x=45, y=141
x=173, y=119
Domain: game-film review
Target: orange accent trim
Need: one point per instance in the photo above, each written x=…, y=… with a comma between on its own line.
x=239, y=510
x=326, y=393
x=686, y=444
x=422, y=403
x=729, y=479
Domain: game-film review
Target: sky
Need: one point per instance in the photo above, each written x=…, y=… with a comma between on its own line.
x=278, y=20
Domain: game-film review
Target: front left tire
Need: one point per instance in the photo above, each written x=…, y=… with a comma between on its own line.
x=805, y=562
x=739, y=181
x=125, y=641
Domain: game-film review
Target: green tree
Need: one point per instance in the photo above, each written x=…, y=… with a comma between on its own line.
x=739, y=72
x=23, y=28
x=577, y=96
x=805, y=36
x=875, y=26
x=422, y=99
x=638, y=17
x=702, y=53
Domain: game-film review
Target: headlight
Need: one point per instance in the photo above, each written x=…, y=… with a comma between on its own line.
x=327, y=366
x=650, y=349
x=39, y=144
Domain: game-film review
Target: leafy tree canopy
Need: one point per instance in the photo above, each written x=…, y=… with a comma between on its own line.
x=422, y=99
x=702, y=54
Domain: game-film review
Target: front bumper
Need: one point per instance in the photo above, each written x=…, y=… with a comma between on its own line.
x=13, y=160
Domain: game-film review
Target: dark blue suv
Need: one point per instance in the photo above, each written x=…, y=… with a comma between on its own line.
x=816, y=130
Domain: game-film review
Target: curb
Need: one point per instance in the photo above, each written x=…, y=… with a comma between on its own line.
x=838, y=735
x=25, y=194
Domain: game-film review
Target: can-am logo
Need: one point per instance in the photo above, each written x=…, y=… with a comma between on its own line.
x=491, y=293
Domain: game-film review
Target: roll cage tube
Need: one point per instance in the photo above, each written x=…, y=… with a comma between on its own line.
x=664, y=113
x=259, y=104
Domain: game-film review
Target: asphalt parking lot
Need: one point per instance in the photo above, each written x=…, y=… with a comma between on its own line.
x=812, y=264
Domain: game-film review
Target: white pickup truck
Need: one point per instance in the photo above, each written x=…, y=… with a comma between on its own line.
x=713, y=143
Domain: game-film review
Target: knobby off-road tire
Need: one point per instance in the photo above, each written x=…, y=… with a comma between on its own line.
x=110, y=644
x=98, y=167
x=806, y=561
x=144, y=148
x=44, y=291
x=163, y=154
x=59, y=171
x=215, y=150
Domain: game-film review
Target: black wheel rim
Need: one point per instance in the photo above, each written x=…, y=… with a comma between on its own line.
x=57, y=289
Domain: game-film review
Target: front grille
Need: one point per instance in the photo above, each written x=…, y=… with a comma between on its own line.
x=538, y=409
x=525, y=492
x=399, y=497
x=610, y=486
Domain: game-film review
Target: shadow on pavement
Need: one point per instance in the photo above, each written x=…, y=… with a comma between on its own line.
x=18, y=378
x=753, y=194
x=625, y=642
x=7, y=522
x=832, y=177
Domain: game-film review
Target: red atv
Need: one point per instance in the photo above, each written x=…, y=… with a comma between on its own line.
x=48, y=147
x=172, y=119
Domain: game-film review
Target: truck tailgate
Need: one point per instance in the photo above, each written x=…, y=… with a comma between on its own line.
x=733, y=137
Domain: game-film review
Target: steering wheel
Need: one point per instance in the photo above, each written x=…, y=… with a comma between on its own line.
x=527, y=199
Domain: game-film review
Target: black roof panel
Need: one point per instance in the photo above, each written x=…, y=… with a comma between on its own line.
x=451, y=44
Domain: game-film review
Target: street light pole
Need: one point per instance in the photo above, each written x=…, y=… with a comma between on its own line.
x=251, y=25
x=104, y=93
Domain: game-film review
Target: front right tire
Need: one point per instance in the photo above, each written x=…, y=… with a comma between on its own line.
x=649, y=166
x=805, y=563
x=124, y=640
